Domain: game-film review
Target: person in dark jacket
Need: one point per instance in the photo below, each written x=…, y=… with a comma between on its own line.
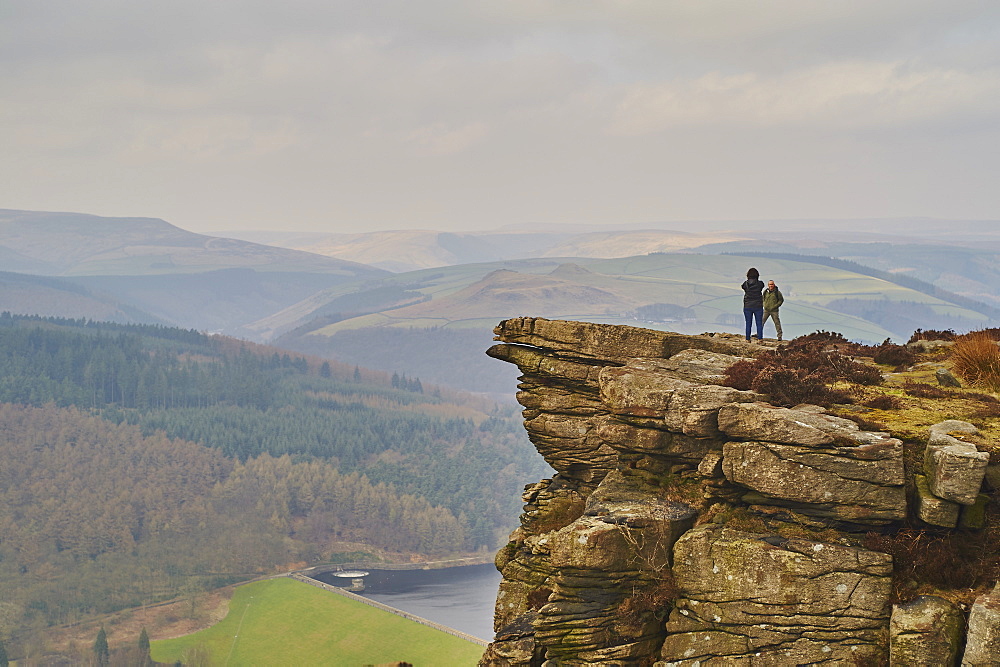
x=773, y=301
x=753, y=302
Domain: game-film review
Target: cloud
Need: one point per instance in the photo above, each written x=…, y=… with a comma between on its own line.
x=446, y=112
x=835, y=95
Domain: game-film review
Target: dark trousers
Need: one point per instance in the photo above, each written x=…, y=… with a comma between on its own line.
x=751, y=314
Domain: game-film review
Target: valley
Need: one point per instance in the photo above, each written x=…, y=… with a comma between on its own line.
x=185, y=412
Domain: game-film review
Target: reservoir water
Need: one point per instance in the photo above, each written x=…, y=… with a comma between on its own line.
x=459, y=597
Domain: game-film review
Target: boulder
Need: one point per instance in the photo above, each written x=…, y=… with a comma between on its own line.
x=926, y=631
x=930, y=345
x=955, y=469
x=763, y=599
x=945, y=378
x=621, y=529
x=793, y=426
x=711, y=465
x=695, y=410
x=992, y=477
x=862, y=484
x=933, y=510
x=701, y=366
x=982, y=643
x=973, y=516
x=514, y=645
x=642, y=388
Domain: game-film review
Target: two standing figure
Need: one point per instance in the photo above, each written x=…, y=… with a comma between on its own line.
x=760, y=304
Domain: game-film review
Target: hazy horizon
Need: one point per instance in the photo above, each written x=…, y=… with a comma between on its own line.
x=359, y=116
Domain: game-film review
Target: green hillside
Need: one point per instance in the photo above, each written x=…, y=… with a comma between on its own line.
x=287, y=622
x=474, y=295
x=702, y=289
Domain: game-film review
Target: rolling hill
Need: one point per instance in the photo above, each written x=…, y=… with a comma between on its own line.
x=957, y=255
x=58, y=297
x=147, y=270
x=703, y=290
x=75, y=244
x=411, y=250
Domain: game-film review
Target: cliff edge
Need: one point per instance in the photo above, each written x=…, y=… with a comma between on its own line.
x=691, y=523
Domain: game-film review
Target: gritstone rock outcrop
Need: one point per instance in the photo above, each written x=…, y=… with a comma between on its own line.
x=631, y=554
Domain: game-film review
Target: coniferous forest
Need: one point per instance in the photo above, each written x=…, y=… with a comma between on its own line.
x=142, y=462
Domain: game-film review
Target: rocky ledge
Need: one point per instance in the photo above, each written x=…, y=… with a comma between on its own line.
x=689, y=523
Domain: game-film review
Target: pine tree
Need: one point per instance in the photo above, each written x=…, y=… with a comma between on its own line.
x=3, y=655
x=144, y=658
x=324, y=370
x=102, y=654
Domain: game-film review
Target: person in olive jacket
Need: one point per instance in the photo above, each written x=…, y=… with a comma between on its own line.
x=773, y=301
x=753, y=302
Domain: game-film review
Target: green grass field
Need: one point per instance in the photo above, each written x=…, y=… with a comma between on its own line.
x=287, y=622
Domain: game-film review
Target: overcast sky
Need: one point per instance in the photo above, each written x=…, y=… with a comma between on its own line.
x=353, y=116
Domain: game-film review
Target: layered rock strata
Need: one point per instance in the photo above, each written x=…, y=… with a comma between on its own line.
x=609, y=566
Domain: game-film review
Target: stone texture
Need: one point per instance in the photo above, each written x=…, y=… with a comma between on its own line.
x=765, y=600
x=605, y=341
x=982, y=645
x=973, y=516
x=926, y=631
x=624, y=437
x=641, y=388
x=945, y=378
x=794, y=426
x=619, y=545
x=929, y=345
x=701, y=366
x=570, y=445
x=862, y=484
x=933, y=510
x=992, y=477
x=633, y=420
x=515, y=646
x=695, y=410
x=530, y=361
x=955, y=469
x=711, y=465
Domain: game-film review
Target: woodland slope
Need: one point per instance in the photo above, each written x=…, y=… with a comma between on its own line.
x=141, y=461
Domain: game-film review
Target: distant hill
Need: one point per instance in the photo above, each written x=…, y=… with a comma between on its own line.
x=58, y=297
x=147, y=270
x=410, y=250
x=75, y=244
x=972, y=272
x=682, y=292
x=221, y=301
x=957, y=255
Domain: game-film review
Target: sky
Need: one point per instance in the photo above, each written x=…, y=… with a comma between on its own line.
x=352, y=116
